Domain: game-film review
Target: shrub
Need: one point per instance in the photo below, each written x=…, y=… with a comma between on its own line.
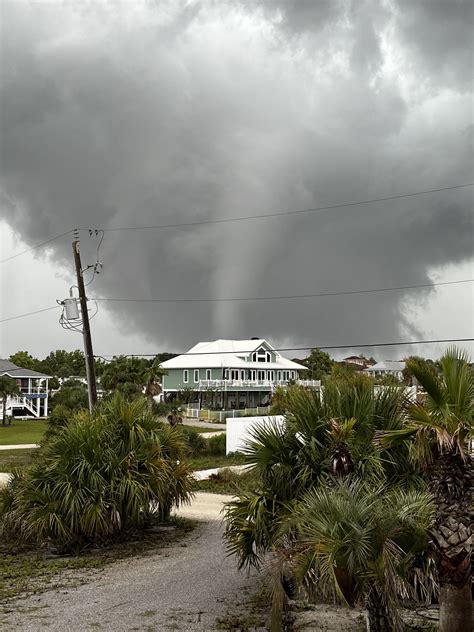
x=98, y=477
x=216, y=445
x=72, y=394
x=196, y=442
x=160, y=409
x=58, y=419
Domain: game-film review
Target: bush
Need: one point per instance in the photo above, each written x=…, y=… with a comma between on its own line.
x=216, y=445
x=197, y=443
x=98, y=477
x=58, y=419
x=72, y=396
x=160, y=409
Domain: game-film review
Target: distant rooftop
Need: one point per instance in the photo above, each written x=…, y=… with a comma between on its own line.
x=387, y=365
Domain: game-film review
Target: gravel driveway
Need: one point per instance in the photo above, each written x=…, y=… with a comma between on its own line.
x=187, y=586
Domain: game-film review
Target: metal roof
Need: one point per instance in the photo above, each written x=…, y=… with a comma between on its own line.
x=387, y=365
x=12, y=370
x=229, y=354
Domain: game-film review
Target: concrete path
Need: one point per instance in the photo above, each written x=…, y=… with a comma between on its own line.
x=19, y=446
x=208, y=435
x=188, y=586
x=202, y=475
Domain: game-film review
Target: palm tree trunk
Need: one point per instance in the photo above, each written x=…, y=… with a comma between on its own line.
x=455, y=609
x=452, y=483
x=380, y=616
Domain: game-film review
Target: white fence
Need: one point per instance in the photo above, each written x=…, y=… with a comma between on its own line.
x=222, y=415
x=265, y=384
x=238, y=431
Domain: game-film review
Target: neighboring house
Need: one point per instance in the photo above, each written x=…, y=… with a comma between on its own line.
x=357, y=360
x=239, y=373
x=387, y=367
x=32, y=400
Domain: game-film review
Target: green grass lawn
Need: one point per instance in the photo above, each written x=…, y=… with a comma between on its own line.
x=201, y=430
x=11, y=459
x=22, y=431
x=228, y=482
x=206, y=462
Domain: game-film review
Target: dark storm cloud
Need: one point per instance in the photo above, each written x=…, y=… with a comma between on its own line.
x=136, y=114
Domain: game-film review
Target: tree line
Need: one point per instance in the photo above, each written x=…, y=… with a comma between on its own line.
x=64, y=364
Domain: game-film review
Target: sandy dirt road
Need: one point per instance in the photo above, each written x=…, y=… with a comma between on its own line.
x=190, y=585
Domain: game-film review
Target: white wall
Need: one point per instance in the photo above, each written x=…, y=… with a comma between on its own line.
x=238, y=430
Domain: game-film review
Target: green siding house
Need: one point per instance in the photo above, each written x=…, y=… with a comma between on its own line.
x=230, y=373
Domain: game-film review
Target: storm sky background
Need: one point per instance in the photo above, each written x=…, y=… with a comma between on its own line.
x=118, y=114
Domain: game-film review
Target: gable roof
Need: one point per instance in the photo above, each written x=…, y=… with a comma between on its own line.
x=387, y=365
x=12, y=370
x=229, y=354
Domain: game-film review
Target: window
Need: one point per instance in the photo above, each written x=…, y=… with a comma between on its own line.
x=196, y=375
x=260, y=375
x=185, y=376
x=261, y=356
x=208, y=374
x=293, y=375
x=279, y=375
x=242, y=375
x=234, y=374
x=226, y=374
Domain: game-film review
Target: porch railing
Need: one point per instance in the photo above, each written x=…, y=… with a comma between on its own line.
x=267, y=384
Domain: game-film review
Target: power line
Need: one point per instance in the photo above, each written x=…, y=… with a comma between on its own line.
x=307, y=348
x=38, y=311
x=245, y=218
x=290, y=212
x=277, y=298
x=254, y=298
x=43, y=243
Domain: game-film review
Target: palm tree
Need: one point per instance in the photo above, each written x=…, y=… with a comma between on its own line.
x=440, y=431
x=101, y=475
x=322, y=436
x=351, y=540
x=153, y=376
x=124, y=374
x=8, y=387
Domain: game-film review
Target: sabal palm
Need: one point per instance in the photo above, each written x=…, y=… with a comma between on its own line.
x=352, y=540
x=440, y=430
x=153, y=377
x=98, y=476
x=321, y=436
x=125, y=374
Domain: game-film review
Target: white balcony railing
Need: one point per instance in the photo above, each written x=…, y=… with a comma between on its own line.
x=266, y=384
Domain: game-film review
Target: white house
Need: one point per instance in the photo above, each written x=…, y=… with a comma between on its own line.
x=32, y=400
x=231, y=373
x=386, y=367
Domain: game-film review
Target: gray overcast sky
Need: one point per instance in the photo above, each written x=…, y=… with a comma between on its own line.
x=121, y=114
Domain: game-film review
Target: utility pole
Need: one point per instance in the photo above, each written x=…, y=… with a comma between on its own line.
x=86, y=331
